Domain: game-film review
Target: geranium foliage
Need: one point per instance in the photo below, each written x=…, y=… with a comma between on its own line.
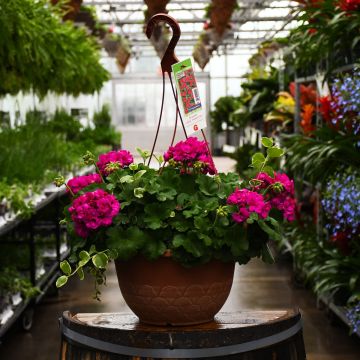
x=138, y=210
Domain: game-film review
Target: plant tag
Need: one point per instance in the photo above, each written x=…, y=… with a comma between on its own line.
x=192, y=111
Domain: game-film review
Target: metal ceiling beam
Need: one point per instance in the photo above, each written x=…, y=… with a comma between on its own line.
x=179, y=2
x=194, y=41
x=139, y=3
x=201, y=20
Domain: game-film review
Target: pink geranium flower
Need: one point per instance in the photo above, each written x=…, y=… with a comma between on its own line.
x=93, y=210
x=122, y=157
x=78, y=183
x=189, y=152
x=248, y=202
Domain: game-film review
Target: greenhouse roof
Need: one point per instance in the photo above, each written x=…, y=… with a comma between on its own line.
x=252, y=22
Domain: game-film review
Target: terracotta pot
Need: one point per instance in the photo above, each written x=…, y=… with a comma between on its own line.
x=163, y=292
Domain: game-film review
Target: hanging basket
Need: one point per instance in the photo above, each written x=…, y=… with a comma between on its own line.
x=111, y=46
x=201, y=54
x=122, y=59
x=72, y=7
x=220, y=16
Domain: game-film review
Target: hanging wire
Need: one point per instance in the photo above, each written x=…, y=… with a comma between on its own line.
x=182, y=123
x=177, y=105
x=176, y=120
x=160, y=117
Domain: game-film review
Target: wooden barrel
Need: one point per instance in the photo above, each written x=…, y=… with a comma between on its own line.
x=246, y=335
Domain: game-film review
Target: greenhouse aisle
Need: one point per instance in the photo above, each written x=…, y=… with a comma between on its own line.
x=256, y=286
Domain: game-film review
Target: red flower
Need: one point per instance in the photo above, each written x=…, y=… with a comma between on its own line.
x=349, y=5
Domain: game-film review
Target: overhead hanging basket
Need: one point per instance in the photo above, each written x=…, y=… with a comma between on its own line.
x=71, y=8
x=123, y=55
x=201, y=55
x=160, y=36
x=220, y=14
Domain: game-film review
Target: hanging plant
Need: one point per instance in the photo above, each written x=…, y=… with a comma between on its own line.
x=86, y=16
x=160, y=36
x=69, y=7
x=40, y=53
x=123, y=55
x=220, y=12
x=202, y=51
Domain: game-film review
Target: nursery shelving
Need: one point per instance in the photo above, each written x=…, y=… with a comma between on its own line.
x=51, y=197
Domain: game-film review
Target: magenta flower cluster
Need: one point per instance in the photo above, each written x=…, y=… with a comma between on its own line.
x=78, y=183
x=279, y=193
x=248, y=202
x=189, y=152
x=122, y=157
x=269, y=193
x=93, y=210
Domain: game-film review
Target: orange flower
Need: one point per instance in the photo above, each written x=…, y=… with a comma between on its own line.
x=306, y=118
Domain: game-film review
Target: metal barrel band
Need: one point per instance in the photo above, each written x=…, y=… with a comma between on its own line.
x=180, y=353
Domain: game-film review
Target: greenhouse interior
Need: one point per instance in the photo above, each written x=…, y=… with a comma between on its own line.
x=179, y=179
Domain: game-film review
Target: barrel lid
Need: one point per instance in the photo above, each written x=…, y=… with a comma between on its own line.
x=230, y=332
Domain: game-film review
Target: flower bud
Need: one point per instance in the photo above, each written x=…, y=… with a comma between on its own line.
x=277, y=187
x=59, y=181
x=133, y=166
x=222, y=211
x=112, y=166
x=89, y=158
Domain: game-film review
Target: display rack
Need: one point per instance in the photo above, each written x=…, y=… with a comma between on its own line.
x=335, y=310
x=49, y=201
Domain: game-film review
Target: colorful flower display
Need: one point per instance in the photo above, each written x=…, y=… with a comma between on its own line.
x=78, y=183
x=341, y=110
x=341, y=206
x=93, y=210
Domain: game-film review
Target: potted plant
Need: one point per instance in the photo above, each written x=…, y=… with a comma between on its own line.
x=175, y=232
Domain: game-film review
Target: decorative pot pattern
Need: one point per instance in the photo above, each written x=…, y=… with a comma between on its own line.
x=165, y=293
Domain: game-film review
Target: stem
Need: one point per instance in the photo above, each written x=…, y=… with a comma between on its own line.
x=70, y=191
x=264, y=163
x=99, y=172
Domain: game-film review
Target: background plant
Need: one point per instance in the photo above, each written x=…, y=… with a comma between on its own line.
x=40, y=53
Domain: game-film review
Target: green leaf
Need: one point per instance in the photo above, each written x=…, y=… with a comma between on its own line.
x=275, y=152
x=267, y=142
x=273, y=234
x=269, y=170
x=61, y=281
x=190, y=243
x=266, y=254
x=92, y=249
x=126, y=242
x=65, y=267
x=80, y=273
x=127, y=179
x=100, y=260
x=139, y=174
x=84, y=257
x=155, y=213
x=139, y=192
x=257, y=165
x=258, y=157
x=207, y=185
x=153, y=248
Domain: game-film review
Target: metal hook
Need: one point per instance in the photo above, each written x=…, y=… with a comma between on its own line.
x=169, y=57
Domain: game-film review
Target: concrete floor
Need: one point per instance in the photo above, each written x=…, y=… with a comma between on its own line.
x=256, y=286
